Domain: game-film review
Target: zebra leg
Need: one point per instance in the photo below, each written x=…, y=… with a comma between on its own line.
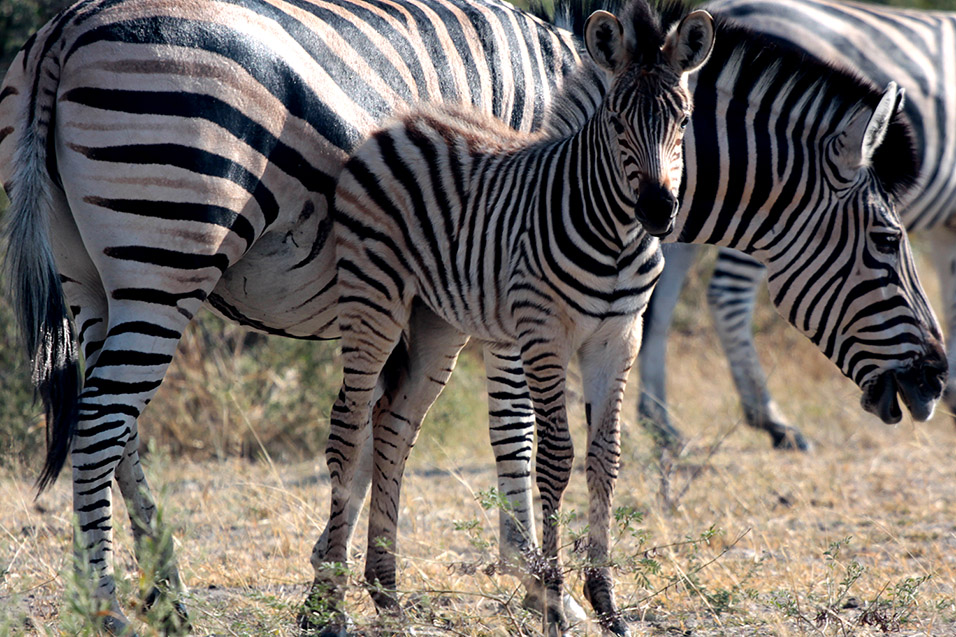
x=732, y=295
x=360, y=486
x=367, y=344
x=606, y=361
x=413, y=386
x=511, y=428
x=153, y=543
x=120, y=381
x=944, y=257
x=545, y=363
x=652, y=404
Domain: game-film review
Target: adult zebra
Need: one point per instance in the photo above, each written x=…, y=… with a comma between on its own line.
x=915, y=48
x=198, y=133
x=542, y=242
x=803, y=164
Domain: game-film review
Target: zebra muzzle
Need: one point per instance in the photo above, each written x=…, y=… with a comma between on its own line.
x=656, y=209
x=920, y=386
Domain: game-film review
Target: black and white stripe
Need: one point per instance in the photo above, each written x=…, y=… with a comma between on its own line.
x=194, y=145
x=161, y=155
x=800, y=164
x=538, y=242
x=917, y=49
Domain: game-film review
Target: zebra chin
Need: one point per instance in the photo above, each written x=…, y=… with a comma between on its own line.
x=920, y=385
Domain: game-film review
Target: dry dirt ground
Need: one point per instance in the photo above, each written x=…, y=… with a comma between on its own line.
x=856, y=538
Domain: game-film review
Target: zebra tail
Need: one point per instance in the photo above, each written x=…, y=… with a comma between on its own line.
x=42, y=312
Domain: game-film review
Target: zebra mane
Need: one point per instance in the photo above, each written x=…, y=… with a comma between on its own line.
x=896, y=161
x=646, y=25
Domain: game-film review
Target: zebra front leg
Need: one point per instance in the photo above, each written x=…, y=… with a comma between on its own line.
x=511, y=428
x=731, y=296
x=652, y=405
x=545, y=362
x=606, y=361
x=415, y=382
x=153, y=542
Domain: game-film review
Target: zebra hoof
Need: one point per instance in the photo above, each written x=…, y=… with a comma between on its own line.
x=116, y=624
x=175, y=618
x=598, y=591
x=320, y=617
x=656, y=422
x=787, y=438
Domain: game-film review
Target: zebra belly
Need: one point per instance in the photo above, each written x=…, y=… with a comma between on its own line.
x=285, y=284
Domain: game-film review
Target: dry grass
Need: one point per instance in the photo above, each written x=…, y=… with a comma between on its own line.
x=804, y=544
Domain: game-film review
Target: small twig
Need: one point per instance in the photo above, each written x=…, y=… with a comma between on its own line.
x=696, y=570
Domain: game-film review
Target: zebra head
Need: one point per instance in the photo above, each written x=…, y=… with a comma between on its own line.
x=857, y=295
x=648, y=104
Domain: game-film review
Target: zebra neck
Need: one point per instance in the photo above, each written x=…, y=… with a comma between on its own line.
x=755, y=142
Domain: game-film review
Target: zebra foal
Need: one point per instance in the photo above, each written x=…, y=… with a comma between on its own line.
x=537, y=241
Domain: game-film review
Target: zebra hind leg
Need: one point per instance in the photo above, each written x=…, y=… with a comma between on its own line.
x=368, y=338
x=415, y=376
x=153, y=544
x=652, y=405
x=121, y=379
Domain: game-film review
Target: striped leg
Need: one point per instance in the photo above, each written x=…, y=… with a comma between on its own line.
x=153, y=543
x=652, y=406
x=546, y=363
x=433, y=348
x=361, y=481
x=120, y=382
x=511, y=427
x=605, y=363
x=944, y=256
x=732, y=295
x=369, y=337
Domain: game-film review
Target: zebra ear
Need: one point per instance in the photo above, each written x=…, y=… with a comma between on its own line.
x=604, y=39
x=890, y=104
x=689, y=45
x=866, y=134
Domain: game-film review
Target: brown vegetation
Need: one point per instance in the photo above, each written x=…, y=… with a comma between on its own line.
x=732, y=538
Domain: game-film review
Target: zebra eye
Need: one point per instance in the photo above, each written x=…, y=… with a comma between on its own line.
x=887, y=241
x=684, y=122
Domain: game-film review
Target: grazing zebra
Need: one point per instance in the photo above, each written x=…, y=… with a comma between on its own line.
x=915, y=48
x=191, y=130
x=545, y=242
x=161, y=155
x=822, y=157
